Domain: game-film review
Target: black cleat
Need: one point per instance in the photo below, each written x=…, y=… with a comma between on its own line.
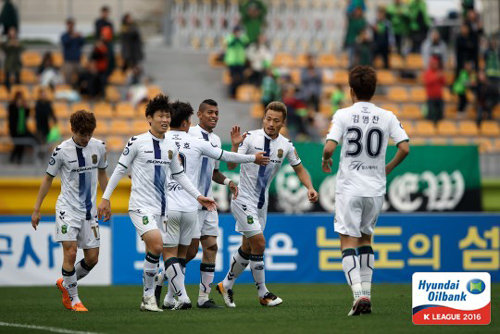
x=360, y=305
x=208, y=304
x=158, y=295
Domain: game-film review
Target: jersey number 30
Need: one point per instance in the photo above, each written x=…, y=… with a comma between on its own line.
x=373, y=142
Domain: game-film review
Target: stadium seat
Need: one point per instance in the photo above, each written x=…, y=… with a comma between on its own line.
x=213, y=60
x=414, y=61
x=386, y=77
x=6, y=147
x=484, y=144
x=115, y=143
x=4, y=94
x=425, y=129
x=154, y=90
x=490, y=129
x=120, y=127
x=327, y=60
x=124, y=110
x=20, y=88
x=460, y=141
x=418, y=94
x=467, y=128
x=409, y=128
x=391, y=107
x=397, y=94
x=103, y=110
x=57, y=58
x=450, y=111
x=257, y=110
x=226, y=77
x=411, y=111
x=448, y=96
x=31, y=58
x=340, y=77
x=246, y=93
x=140, y=110
x=112, y=94
x=438, y=141
x=140, y=126
x=4, y=128
x=295, y=76
x=48, y=93
x=61, y=110
x=28, y=76
x=496, y=145
x=396, y=61
x=117, y=77
x=284, y=59
x=102, y=129
x=3, y=112
x=496, y=111
x=301, y=60
x=447, y=128
x=80, y=106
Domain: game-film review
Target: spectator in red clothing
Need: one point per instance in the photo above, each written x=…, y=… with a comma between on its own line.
x=99, y=56
x=434, y=81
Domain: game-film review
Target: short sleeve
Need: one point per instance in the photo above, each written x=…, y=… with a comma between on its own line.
x=245, y=145
x=175, y=163
x=336, y=129
x=55, y=162
x=292, y=156
x=129, y=153
x=396, y=131
x=103, y=162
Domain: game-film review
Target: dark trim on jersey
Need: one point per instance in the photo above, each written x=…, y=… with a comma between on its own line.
x=221, y=153
x=182, y=171
x=122, y=164
x=332, y=140
x=50, y=174
x=102, y=167
x=159, y=180
x=300, y=163
x=84, y=187
x=205, y=180
x=261, y=180
x=408, y=140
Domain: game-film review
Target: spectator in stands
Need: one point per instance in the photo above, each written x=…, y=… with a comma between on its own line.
x=492, y=61
x=434, y=46
x=466, y=78
x=475, y=32
x=420, y=23
x=104, y=31
x=72, y=43
x=253, y=17
x=18, y=116
x=297, y=112
x=89, y=81
x=48, y=72
x=100, y=57
x=337, y=99
x=434, y=81
x=356, y=24
x=9, y=17
x=311, y=79
x=487, y=95
x=363, y=49
x=383, y=36
x=235, y=58
x=131, y=42
x=464, y=48
x=12, y=62
x=271, y=89
x=44, y=116
x=398, y=14
x=260, y=57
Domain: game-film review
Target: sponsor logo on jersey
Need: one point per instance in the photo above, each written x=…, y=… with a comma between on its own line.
x=126, y=151
x=83, y=169
x=52, y=161
x=157, y=162
x=64, y=229
x=359, y=165
x=170, y=154
x=249, y=220
x=280, y=153
x=72, y=161
x=186, y=145
x=94, y=158
x=145, y=220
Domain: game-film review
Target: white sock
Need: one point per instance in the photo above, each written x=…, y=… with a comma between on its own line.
x=367, y=263
x=207, y=271
x=175, y=276
x=71, y=284
x=82, y=269
x=149, y=273
x=239, y=262
x=169, y=297
x=350, y=265
x=259, y=274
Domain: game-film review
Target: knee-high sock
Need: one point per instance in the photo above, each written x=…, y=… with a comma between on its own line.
x=259, y=274
x=148, y=275
x=239, y=262
x=70, y=283
x=350, y=265
x=82, y=269
x=207, y=271
x=367, y=263
x=175, y=276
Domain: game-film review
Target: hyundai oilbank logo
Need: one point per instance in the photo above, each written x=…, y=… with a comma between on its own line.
x=476, y=286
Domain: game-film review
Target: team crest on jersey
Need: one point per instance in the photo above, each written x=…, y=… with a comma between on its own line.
x=94, y=158
x=145, y=220
x=249, y=220
x=52, y=161
x=126, y=151
x=170, y=154
x=280, y=153
x=64, y=229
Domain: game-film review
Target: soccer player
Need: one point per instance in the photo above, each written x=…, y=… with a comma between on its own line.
x=250, y=208
x=82, y=163
x=182, y=210
x=359, y=192
x=152, y=160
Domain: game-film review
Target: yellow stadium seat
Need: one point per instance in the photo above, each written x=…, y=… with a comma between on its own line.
x=496, y=111
x=461, y=141
x=28, y=76
x=140, y=126
x=397, y=94
x=124, y=110
x=257, y=110
x=6, y=147
x=301, y=60
x=396, y=61
x=447, y=128
x=103, y=110
x=80, y=106
x=484, y=144
x=31, y=58
x=467, y=128
x=102, y=129
x=489, y=128
x=61, y=110
x=4, y=94
x=3, y=112
x=340, y=77
x=120, y=127
x=226, y=77
x=391, y=107
x=4, y=129
x=112, y=94
x=418, y=94
x=115, y=143
x=295, y=76
x=57, y=58
x=20, y=88
x=409, y=128
x=411, y=111
x=327, y=60
x=154, y=90
x=284, y=59
x=450, y=111
x=414, y=61
x=117, y=78
x=213, y=60
x=385, y=77
x=246, y=93
x=140, y=110
x=448, y=96
x=48, y=93
x=425, y=129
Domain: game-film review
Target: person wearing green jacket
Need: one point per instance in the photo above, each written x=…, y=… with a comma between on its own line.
x=420, y=23
x=235, y=58
x=271, y=89
x=253, y=16
x=356, y=24
x=397, y=13
x=465, y=79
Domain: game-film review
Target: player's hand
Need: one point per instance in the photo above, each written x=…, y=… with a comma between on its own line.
x=312, y=194
x=236, y=137
x=234, y=189
x=388, y=169
x=261, y=158
x=207, y=202
x=104, y=210
x=35, y=219
x=326, y=165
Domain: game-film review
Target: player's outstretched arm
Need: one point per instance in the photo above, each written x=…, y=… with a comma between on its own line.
x=327, y=162
x=42, y=192
x=220, y=178
x=401, y=154
x=305, y=179
x=236, y=140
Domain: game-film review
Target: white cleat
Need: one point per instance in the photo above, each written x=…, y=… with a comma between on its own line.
x=270, y=299
x=149, y=304
x=227, y=295
x=360, y=305
x=183, y=304
x=168, y=304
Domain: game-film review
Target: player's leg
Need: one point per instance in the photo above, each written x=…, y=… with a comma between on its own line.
x=89, y=241
x=85, y=265
x=207, y=271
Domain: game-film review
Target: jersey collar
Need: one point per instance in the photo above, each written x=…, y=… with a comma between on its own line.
x=203, y=130
x=267, y=136
x=154, y=137
x=79, y=146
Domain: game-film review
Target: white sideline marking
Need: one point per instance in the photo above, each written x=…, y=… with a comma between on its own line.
x=44, y=328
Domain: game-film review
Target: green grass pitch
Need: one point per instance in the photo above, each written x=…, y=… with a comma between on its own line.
x=307, y=308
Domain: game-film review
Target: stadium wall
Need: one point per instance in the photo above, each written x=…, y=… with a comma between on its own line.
x=300, y=249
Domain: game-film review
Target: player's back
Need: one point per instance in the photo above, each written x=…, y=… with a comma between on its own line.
x=365, y=130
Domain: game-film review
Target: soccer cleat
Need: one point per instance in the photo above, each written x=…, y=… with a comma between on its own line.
x=270, y=299
x=78, y=307
x=367, y=308
x=226, y=295
x=208, y=304
x=149, y=304
x=360, y=305
x=66, y=300
x=158, y=286
x=168, y=305
x=182, y=304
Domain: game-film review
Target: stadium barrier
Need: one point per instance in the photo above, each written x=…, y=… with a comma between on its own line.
x=300, y=249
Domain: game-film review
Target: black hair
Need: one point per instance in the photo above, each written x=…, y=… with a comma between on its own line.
x=159, y=102
x=181, y=111
x=208, y=102
x=363, y=80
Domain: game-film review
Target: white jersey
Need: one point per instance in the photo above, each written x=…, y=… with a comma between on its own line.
x=148, y=159
x=255, y=180
x=365, y=130
x=78, y=166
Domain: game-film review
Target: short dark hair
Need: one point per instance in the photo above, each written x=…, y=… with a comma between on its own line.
x=105, y=8
x=82, y=122
x=181, y=111
x=276, y=106
x=363, y=80
x=207, y=102
x=159, y=102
